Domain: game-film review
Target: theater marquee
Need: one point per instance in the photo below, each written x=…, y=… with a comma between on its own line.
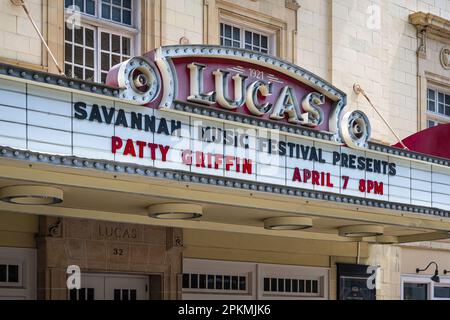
x=221, y=112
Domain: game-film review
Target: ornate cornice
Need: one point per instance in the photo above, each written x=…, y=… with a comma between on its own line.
x=432, y=23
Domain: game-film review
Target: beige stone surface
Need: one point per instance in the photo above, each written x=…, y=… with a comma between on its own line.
x=17, y=36
x=79, y=244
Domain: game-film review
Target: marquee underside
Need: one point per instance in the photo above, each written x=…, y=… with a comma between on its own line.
x=121, y=198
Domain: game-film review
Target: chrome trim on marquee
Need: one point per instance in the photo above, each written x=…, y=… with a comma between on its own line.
x=163, y=57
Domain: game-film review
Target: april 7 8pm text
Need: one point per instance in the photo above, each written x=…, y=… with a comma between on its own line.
x=252, y=310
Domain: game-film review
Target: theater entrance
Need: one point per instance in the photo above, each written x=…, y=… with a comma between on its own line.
x=111, y=287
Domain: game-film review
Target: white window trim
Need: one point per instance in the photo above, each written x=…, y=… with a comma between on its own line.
x=255, y=282
x=271, y=36
x=435, y=115
x=98, y=24
x=99, y=282
x=424, y=279
x=98, y=54
x=20, y=264
x=27, y=258
x=293, y=272
x=199, y=266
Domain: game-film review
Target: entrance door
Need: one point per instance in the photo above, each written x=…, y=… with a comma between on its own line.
x=126, y=288
x=111, y=287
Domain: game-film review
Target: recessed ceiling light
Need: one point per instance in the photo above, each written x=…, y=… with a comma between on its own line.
x=386, y=239
x=175, y=211
x=288, y=223
x=31, y=195
x=361, y=231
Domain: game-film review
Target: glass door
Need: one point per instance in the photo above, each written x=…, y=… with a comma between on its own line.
x=111, y=287
x=126, y=288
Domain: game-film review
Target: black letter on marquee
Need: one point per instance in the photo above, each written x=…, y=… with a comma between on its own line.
x=121, y=119
x=136, y=120
x=392, y=169
x=80, y=112
x=336, y=157
x=108, y=114
x=95, y=114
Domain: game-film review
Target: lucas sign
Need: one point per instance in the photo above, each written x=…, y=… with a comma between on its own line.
x=238, y=81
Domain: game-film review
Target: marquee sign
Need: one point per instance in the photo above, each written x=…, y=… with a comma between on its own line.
x=141, y=127
x=239, y=81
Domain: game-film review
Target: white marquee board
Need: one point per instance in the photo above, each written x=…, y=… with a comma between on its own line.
x=44, y=120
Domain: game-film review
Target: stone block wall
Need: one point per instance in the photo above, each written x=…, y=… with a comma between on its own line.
x=106, y=247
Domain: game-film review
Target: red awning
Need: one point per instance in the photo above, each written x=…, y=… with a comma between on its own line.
x=433, y=141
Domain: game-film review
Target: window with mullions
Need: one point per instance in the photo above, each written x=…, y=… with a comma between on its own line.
x=10, y=274
x=256, y=42
x=438, y=102
x=214, y=282
x=291, y=286
x=95, y=46
x=438, y=107
x=85, y=6
x=80, y=53
x=432, y=123
x=233, y=36
x=117, y=10
x=114, y=50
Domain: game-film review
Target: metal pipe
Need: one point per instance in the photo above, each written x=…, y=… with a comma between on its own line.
x=359, y=90
x=23, y=5
x=358, y=252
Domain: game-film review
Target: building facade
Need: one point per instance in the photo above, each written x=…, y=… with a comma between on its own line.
x=398, y=51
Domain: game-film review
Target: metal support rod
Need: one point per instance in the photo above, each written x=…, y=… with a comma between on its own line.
x=23, y=5
x=359, y=90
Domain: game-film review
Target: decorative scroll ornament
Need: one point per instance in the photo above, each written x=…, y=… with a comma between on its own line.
x=55, y=230
x=356, y=129
x=445, y=58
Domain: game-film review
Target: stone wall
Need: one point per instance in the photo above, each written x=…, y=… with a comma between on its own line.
x=18, y=39
x=388, y=259
x=105, y=247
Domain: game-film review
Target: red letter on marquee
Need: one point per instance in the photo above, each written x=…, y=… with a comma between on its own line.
x=379, y=188
x=116, y=144
x=247, y=166
x=141, y=145
x=164, y=150
x=229, y=161
x=187, y=157
x=306, y=175
x=129, y=148
x=297, y=177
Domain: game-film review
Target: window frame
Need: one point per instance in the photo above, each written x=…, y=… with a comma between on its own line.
x=294, y=272
x=271, y=34
x=436, y=116
x=27, y=259
x=12, y=262
x=100, y=24
x=133, y=13
x=255, y=281
x=224, y=268
x=425, y=279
